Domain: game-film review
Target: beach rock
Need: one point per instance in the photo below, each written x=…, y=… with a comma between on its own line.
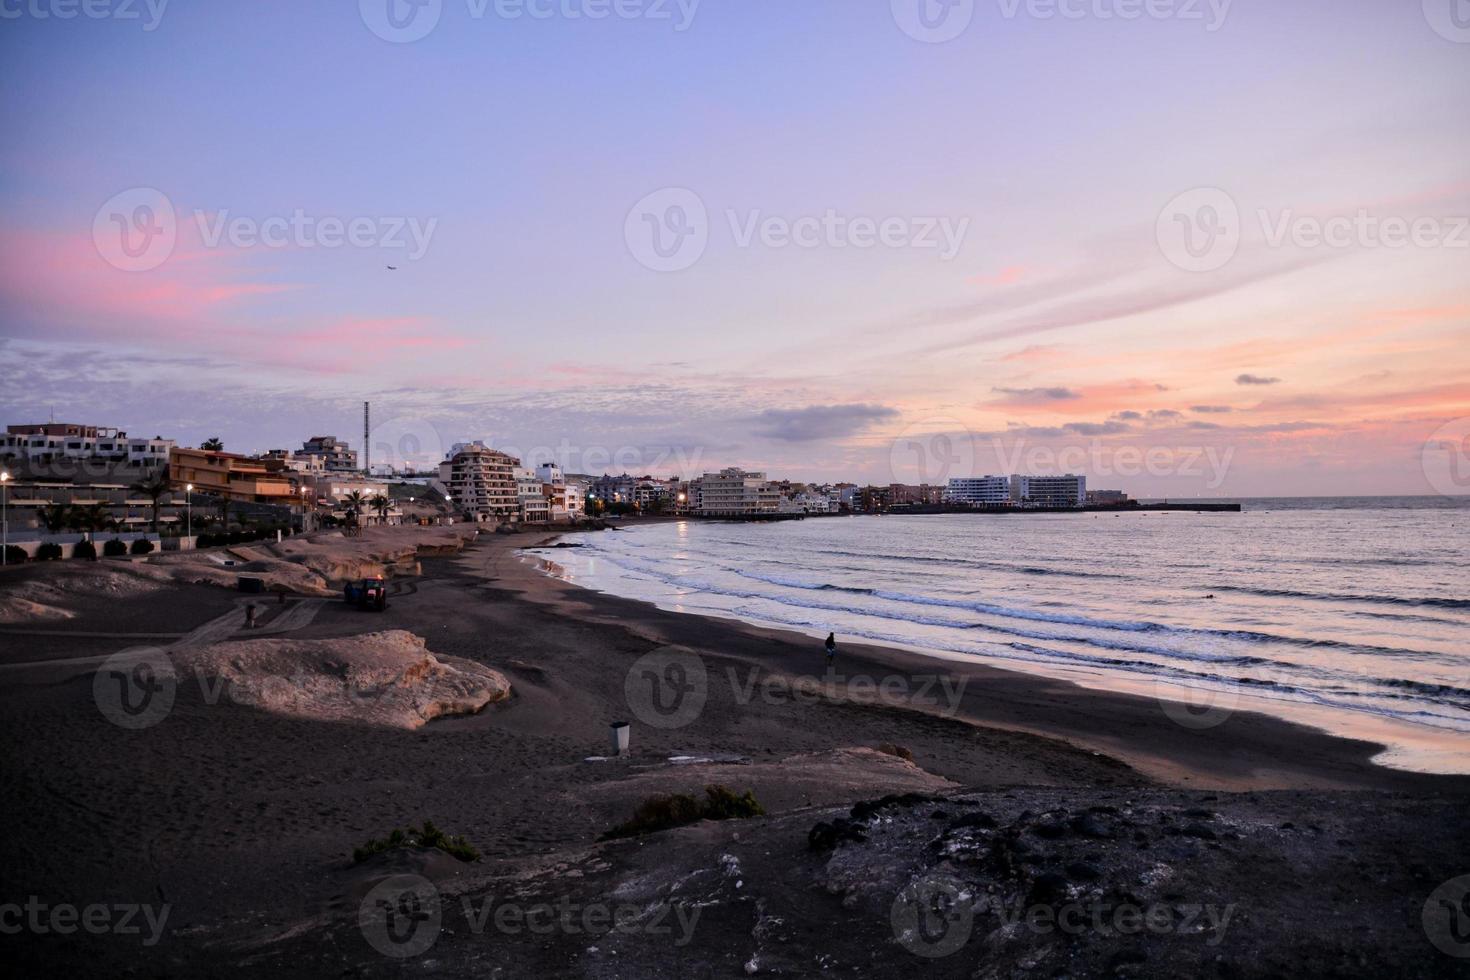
x=826, y=836
x=387, y=678
x=1049, y=888
x=978, y=819
x=1083, y=871
x=1093, y=826
x=1200, y=831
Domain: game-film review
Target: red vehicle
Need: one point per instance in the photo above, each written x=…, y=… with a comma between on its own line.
x=370, y=593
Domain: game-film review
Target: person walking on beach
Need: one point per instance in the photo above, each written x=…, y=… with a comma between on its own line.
x=831, y=647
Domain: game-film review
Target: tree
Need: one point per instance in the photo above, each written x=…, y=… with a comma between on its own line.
x=223, y=503
x=154, y=487
x=96, y=517
x=56, y=517
x=355, y=501
x=381, y=504
x=213, y=445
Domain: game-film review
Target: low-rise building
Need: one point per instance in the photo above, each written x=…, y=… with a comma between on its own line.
x=230, y=475
x=734, y=492
x=1106, y=498
x=531, y=496
x=61, y=448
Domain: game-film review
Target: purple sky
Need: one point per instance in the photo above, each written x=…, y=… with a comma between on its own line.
x=886, y=258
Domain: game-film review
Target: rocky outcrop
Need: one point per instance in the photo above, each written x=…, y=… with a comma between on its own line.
x=388, y=678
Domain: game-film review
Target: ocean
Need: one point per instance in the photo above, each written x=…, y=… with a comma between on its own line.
x=1352, y=614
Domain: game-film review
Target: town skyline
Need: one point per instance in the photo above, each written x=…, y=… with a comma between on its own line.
x=773, y=274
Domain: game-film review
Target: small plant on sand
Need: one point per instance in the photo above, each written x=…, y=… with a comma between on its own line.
x=664, y=812
x=85, y=549
x=114, y=547
x=142, y=546
x=50, y=551
x=429, y=837
x=14, y=554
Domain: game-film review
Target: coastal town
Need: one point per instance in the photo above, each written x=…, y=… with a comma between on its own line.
x=65, y=483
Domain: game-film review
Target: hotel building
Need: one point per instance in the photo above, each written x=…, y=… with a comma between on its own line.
x=734, y=492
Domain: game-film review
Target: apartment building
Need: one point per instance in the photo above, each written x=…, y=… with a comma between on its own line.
x=809, y=502
x=1068, y=490
x=329, y=454
x=230, y=475
x=533, y=502
x=979, y=491
x=64, y=445
x=734, y=492
x=564, y=500
x=481, y=482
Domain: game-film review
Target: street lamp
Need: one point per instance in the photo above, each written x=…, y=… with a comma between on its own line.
x=4, y=517
x=189, y=510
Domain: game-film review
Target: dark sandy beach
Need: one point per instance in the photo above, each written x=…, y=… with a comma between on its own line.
x=242, y=822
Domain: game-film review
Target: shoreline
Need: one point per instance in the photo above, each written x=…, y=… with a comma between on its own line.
x=1252, y=749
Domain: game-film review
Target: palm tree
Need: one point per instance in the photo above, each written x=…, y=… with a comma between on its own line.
x=56, y=517
x=223, y=503
x=213, y=445
x=94, y=518
x=381, y=504
x=355, y=502
x=154, y=487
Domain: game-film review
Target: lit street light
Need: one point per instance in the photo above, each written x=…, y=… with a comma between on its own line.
x=189, y=510
x=4, y=517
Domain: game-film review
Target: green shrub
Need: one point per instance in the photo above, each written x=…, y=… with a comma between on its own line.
x=14, y=554
x=664, y=812
x=142, y=546
x=85, y=549
x=430, y=837
x=50, y=551
x=115, y=547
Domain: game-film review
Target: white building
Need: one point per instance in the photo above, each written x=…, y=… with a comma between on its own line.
x=535, y=503
x=55, y=442
x=734, y=492
x=481, y=482
x=810, y=502
x=979, y=491
x=1049, y=491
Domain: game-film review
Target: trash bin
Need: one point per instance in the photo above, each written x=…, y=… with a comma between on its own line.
x=619, y=738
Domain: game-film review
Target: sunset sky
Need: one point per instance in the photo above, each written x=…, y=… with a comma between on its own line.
x=530, y=153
